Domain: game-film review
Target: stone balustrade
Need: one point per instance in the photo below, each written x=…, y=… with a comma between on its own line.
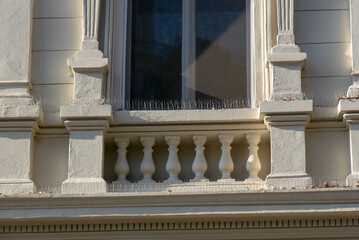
x=199, y=181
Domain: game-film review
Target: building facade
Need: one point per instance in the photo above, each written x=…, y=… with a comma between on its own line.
x=179, y=119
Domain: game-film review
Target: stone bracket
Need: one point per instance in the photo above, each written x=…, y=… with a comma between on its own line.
x=82, y=65
x=286, y=120
x=286, y=107
x=87, y=125
x=85, y=112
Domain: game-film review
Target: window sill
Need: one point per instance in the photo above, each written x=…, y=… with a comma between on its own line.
x=185, y=116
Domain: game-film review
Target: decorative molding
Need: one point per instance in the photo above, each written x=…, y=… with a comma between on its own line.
x=91, y=24
x=180, y=225
x=353, y=90
x=285, y=12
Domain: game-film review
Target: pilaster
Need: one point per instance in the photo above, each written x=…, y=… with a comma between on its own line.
x=353, y=90
x=349, y=108
x=19, y=115
x=16, y=153
x=287, y=122
x=86, y=156
x=288, y=155
x=286, y=60
x=87, y=118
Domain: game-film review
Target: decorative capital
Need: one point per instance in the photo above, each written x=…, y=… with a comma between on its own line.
x=199, y=139
x=226, y=139
x=122, y=143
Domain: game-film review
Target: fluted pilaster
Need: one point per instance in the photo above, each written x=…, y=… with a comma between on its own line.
x=285, y=12
x=91, y=23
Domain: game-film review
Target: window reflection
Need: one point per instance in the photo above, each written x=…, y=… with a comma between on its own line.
x=159, y=44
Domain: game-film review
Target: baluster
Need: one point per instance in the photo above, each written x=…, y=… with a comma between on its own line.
x=226, y=163
x=253, y=163
x=173, y=166
x=199, y=166
x=147, y=166
x=122, y=168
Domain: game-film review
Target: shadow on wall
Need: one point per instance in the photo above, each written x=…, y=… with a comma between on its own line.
x=328, y=156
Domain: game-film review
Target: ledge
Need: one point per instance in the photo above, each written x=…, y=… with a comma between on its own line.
x=348, y=106
x=88, y=64
x=286, y=107
x=78, y=112
x=185, y=116
x=21, y=112
x=339, y=202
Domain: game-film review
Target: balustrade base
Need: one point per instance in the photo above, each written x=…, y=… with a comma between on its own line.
x=296, y=181
x=218, y=186
x=226, y=180
x=352, y=180
x=84, y=185
x=16, y=186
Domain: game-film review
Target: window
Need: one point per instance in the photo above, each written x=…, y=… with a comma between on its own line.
x=181, y=54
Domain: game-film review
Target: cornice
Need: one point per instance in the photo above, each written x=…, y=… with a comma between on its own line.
x=166, y=206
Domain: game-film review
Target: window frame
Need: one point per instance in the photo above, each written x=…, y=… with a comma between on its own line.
x=115, y=22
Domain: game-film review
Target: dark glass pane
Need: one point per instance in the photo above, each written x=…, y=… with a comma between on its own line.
x=156, y=50
x=221, y=48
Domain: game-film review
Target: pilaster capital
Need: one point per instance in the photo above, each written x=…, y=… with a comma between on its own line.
x=298, y=107
x=348, y=107
x=83, y=112
x=286, y=120
x=83, y=65
x=87, y=125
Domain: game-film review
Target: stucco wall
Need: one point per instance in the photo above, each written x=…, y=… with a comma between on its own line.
x=322, y=30
x=57, y=31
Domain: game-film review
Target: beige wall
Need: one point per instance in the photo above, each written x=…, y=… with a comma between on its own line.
x=57, y=29
x=322, y=31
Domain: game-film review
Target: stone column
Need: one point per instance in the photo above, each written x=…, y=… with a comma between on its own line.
x=19, y=115
x=353, y=90
x=88, y=116
x=287, y=114
x=86, y=157
x=288, y=156
x=349, y=108
x=286, y=60
x=352, y=121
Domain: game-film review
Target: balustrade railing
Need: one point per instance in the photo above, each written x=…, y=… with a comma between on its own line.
x=199, y=182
